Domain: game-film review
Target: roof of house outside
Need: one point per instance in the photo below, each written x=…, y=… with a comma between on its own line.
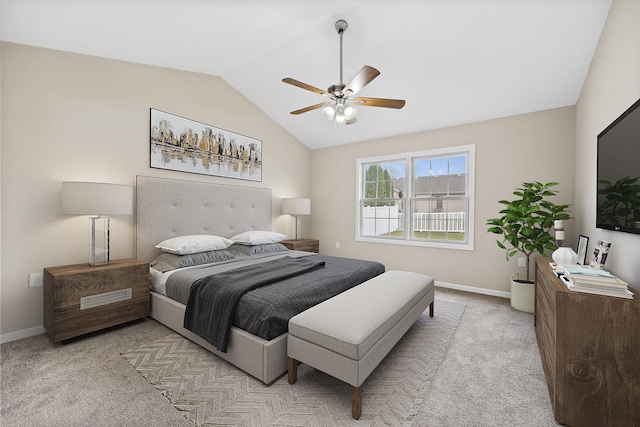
x=443, y=185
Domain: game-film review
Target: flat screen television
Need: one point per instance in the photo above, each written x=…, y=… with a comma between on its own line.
x=618, y=196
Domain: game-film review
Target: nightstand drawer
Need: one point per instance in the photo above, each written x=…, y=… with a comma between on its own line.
x=79, y=299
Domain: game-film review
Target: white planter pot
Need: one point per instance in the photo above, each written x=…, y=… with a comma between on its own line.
x=522, y=295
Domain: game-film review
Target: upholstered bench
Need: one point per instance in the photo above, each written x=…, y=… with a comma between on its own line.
x=348, y=335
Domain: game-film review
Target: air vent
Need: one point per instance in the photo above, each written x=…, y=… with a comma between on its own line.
x=105, y=298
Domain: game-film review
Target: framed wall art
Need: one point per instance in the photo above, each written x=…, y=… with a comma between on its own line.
x=181, y=144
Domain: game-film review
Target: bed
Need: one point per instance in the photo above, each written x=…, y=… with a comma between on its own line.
x=167, y=208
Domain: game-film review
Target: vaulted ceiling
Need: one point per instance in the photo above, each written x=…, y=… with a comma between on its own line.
x=453, y=61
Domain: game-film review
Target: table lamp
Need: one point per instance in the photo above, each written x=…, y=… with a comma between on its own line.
x=295, y=207
x=97, y=198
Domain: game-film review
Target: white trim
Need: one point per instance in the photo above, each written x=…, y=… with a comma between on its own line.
x=24, y=333
x=454, y=246
x=473, y=289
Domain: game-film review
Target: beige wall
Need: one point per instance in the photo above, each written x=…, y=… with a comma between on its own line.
x=612, y=85
x=77, y=117
x=530, y=147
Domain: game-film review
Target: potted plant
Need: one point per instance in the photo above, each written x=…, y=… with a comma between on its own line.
x=525, y=224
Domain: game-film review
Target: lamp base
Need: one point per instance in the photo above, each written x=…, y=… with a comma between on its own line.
x=99, y=244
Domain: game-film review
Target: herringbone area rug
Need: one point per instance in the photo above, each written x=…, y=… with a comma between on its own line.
x=211, y=391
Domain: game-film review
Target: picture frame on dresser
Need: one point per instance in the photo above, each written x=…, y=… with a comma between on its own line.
x=600, y=254
x=185, y=145
x=583, y=243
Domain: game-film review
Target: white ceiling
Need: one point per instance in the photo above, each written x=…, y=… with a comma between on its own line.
x=453, y=61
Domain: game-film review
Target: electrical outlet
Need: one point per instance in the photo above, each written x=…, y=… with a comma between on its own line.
x=337, y=245
x=522, y=261
x=35, y=280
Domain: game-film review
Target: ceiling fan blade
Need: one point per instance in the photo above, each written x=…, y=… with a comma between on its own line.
x=379, y=102
x=310, y=108
x=352, y=121
x=305, y=86
x=360, y=80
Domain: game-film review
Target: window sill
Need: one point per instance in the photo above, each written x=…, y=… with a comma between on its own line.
x=454, y=246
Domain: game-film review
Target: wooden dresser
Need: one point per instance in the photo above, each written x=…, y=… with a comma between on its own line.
x=590, y=350
x=79, y=299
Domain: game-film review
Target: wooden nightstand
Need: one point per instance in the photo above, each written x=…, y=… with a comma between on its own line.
x=79, y=299
x=308, y=245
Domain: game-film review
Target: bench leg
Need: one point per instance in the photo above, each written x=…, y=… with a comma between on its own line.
x=293, y=370
x=431, y=309
x=356, y=402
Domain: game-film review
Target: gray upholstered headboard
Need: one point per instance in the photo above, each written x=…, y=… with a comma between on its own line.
x=168, y=208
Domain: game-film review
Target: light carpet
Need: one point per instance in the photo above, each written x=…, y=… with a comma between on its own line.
x=210, y=391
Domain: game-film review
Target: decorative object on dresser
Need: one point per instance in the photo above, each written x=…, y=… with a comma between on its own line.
x=600, y=254
x=592, y=281
x=97, y=198
x=184, y=145
x=525, y=226
x=583, y=243
x=79, y=299
x=308, y=245
x=296, y=207
x=563, y=255
x=588, y=345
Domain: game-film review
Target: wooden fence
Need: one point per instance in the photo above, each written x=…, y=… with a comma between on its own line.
x=452, y=222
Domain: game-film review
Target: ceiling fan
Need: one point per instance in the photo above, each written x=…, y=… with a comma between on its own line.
x=341, y=107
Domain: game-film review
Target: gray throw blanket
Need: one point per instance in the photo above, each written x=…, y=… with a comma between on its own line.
x=213, y=299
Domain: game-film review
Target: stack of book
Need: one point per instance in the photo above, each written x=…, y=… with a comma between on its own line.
x=586, y=279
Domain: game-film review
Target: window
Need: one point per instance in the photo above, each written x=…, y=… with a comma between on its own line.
x=421, y=198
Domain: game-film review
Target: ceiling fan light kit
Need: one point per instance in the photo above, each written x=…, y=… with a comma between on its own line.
x=341, y=108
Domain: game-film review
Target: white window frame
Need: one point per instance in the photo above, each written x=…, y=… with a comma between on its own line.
x=469, y=150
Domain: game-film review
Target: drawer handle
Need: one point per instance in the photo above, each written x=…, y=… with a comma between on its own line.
x=105, y=298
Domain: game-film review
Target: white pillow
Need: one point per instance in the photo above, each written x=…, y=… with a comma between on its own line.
x=185, y=245
x=258, y=237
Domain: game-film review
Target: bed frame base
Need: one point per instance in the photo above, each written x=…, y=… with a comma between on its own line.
x=262, y=359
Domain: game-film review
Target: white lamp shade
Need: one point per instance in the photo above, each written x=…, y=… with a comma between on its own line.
x=297, y=206
x=96, y=198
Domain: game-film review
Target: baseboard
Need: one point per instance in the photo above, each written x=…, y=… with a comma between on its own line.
x=24, y=333
x=473, y=289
